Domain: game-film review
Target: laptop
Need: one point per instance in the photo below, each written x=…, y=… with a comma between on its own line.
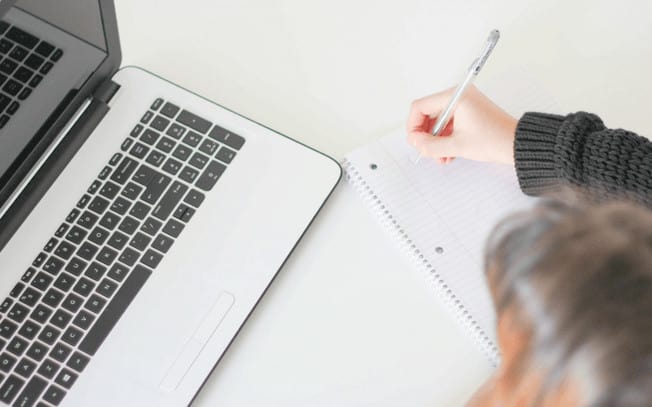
x=140, y=223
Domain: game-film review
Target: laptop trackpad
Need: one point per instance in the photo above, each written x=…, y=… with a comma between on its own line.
x=196, y=343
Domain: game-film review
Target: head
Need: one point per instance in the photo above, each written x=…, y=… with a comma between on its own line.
x=572, y=287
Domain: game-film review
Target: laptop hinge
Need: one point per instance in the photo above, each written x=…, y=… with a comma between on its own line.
x=104, y=93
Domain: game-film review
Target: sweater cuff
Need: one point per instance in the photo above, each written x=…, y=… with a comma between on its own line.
x=534, y=146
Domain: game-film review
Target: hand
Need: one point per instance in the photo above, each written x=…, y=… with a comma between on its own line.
x=479, y=130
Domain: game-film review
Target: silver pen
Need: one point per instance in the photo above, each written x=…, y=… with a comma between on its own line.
x=474, y=69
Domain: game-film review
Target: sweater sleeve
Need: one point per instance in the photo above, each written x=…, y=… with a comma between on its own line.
x=577, y=150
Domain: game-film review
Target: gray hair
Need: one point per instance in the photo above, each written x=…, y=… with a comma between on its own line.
x=580, y=277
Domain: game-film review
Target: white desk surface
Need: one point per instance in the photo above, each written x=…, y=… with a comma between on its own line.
x=342, y=326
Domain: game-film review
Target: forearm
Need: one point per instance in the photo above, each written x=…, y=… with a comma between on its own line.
x=577, y=150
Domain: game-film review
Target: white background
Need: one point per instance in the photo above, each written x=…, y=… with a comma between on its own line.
x=347, y=322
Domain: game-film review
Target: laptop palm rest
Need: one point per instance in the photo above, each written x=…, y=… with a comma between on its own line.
x=196, y=343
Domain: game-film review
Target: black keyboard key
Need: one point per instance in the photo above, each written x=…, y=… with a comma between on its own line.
x=87, y=251
x=139, y=150
x=76, y=266
x=84, y=319
x=166, y=144
x=155, y=188
x=8, y=66
x=94, y=187
x=132, y=191
x=118, y=240
x=27, y=275
x=182, y=152
x=31, y=393
x=83, y=201
x=106, y=288
x=24, y=94
x=30, y=296
x=169, y=110
x=172, y=166
x=72, y=302
x=198, y=160
x=10, y=388
x=170, y=200
x=129, y=256
x=76, y=235
x=173, y=228
x=194, y=198
x=107, y=256
x=13, y=107
x=4, y=119
x=149, y=137
x=72, y=216
x=57, y=54
x=46, y=68
x=140, y=241
x=144, y=175
x=129, y=225
x=146, y=117
x=87, y=220
x=110, y=220
x=194, y=122
x=18, y=312
x=49, y=368
x=160, y=123
x=155, y=158
x=162, y=243
x=50, y=245
x=41, y=313
x=84, y=287
x=54, y=395
x=99, y=235
x=5, y=46
x=35, y=81
x=7, y=328
x=64, y=250
x=3, y=26
x=52, y=298
x=151, y=258
x=4, y=101
x=192, y=139
x=12, y=87
x=40, y=258
x=42, y=281
x=29, y=329
x=211, y=174
x=7, y=362
x=156, y=104
x=139, y=210
x=60, y=352
x=175, y=131
x=18, y=288
x=136, y=130
x=106, y=171
x=208, y=147
x=225, y=155
x=44, y=49
x=95, y=304
x=49, y=335
x=110, y=190
x=224, y=136
x=6, y=304
x=72, y=336
x=184, y=213
x=118, y=272
x=66, y=378
x=124, y=170
x=27, y=40
x=151, y=226
x=25, y=368
x=78, y=362
x=120, y=206
x=95, y=271
x=37, y=351
x=34, y=61
x=23, y=74
x=114, y=310
x=17, y=346
x=64, y=282
x=18, y=53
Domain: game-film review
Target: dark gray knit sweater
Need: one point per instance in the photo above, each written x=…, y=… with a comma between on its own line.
x=577, y=150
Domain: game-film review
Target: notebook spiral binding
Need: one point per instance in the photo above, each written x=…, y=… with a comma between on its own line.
x=449, y=299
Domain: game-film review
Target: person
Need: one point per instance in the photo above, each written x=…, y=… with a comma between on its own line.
x=571, y=280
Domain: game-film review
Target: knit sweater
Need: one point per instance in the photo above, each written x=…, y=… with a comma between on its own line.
x=577, y=150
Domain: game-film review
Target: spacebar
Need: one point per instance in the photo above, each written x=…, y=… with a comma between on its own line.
x=114, y=310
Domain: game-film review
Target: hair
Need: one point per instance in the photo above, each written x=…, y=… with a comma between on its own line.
x=580, y=277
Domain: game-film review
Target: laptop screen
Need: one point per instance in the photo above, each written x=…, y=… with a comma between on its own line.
x=48, y=50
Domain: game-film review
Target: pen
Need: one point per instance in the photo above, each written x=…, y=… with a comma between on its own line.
x=474, y=69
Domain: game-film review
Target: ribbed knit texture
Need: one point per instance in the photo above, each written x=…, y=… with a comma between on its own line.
x=577, y=150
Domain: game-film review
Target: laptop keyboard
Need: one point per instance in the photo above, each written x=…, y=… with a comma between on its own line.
x=56, y=318
x=25, y=60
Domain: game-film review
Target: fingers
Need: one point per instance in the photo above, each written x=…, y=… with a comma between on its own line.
x=423, y=110
x=434, y=147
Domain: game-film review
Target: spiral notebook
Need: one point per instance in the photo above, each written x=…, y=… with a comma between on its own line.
x=441, y=215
